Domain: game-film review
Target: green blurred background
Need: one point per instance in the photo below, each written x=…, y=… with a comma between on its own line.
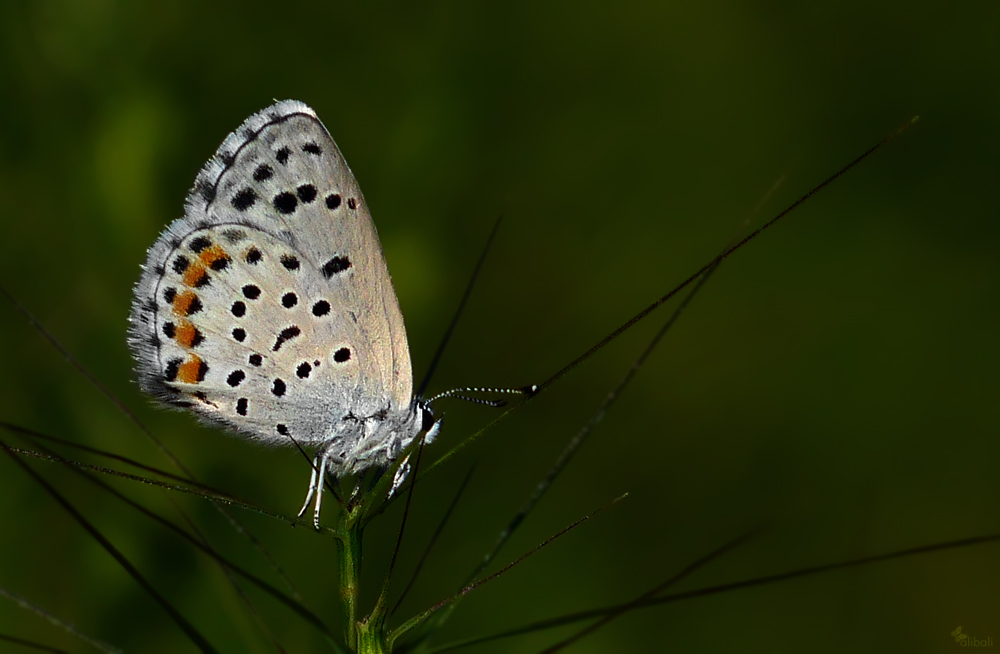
x=837, y=378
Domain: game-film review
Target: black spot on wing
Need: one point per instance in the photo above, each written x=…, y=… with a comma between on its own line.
x=286, y=334
x=263, y=172
x=306, y=193
x=334, y=266
x=199, y=243
x=244, y=199
x=173, y=365
x=202, y=371
x=285, y=202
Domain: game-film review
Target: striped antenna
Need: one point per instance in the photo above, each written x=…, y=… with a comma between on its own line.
x=458, y=393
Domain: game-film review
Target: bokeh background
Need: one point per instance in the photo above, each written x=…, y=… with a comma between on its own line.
x=837, y=379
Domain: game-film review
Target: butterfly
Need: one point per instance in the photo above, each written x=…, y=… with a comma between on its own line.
x=268, y=310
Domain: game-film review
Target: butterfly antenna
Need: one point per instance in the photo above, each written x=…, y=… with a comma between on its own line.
x=458, y=312
x=458, y=394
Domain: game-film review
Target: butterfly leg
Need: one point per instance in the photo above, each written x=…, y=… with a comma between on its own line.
x=321, y=470
x=314, y=482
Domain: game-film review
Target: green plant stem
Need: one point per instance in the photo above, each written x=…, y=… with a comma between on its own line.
x=371, y=636
x=364, y=635
x=349, y=565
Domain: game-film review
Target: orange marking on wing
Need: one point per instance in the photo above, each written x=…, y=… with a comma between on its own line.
x=185, y=334
x=192, y=371
x=184, y=302
x=212, y=255
x=194, y=274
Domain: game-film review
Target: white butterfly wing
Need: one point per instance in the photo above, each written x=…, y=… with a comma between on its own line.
x=268, y=307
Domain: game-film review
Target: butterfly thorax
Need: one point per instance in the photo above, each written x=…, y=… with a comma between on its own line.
x=355, y=443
